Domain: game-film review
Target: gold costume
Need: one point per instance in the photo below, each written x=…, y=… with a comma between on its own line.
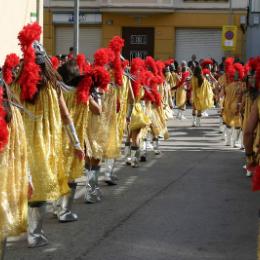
x=44, y=140
x=231, y=116
x=202, y=96
x=79, y=114
x=123, y=99
x=14, y=181
x=181, y=97
x=111, y=149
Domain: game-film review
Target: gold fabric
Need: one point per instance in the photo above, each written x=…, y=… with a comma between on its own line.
x=248, y=102
x=79, y=114
x=181, y=97
x=202, y=96
x=44, y=139
x=231, y=115
x=138, y=118
x=123, y=98
x=111, y=149
x=14, y=181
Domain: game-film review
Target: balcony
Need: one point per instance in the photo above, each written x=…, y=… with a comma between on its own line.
x=137, y=5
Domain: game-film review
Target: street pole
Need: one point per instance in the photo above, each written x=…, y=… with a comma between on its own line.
x=76, y=27
x=230, y=12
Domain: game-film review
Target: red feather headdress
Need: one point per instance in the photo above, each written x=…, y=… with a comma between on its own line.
x=160, y=67
x=206, y=62
x=151, y=65
x=205, y=71
x=82, y=63
x=101, y=57
x=116, y=45
x=11, y=61
x=137, y=66
x=169, y=62
x=30, y=74
x=84, y=88
x=240, y=69
x=55, y=62
x=4, y=133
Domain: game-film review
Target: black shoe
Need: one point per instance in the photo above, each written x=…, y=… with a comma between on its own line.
x=143, y=158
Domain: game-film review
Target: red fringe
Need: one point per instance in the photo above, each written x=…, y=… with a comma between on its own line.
x=240, y=69
x=11, y=61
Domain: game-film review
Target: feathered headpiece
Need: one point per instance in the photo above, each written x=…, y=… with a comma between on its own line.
x=84, y=88
x=205, y=71
x=137, y=66
x=30, y=74
x=4, y=133
x=11, y=61
x=151, y=65
x=240, y=69
x=116, y=45
x=160, y=67
x=82, y=63
x=55, y=62
x=101, y=57
x=206, y=62
x=169, y=62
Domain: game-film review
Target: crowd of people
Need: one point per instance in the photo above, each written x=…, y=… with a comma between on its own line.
x=61, y=119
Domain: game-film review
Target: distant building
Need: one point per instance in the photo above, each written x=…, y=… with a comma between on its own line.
x=162, y=28
x=14, y=15
x=253, y=29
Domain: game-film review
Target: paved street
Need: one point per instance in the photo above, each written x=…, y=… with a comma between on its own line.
x=190, y=203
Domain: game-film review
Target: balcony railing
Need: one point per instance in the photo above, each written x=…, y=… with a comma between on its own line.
x=137, y=3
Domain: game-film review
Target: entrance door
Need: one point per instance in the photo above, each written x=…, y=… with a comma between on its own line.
x=139, y=42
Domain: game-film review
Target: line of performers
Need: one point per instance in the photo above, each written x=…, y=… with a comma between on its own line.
x=59, y=122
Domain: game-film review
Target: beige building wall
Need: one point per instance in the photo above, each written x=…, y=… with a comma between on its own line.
x=14, y=15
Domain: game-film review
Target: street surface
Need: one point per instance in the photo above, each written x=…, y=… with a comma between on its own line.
x=192, y=202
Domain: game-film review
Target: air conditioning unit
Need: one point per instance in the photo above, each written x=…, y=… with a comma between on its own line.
x=255, y=6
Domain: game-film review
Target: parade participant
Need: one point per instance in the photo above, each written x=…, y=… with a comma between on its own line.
x=74, y=77
x=136, y=118
x=97, y=131
x=14, y=185
x=250, y=94
x=114, y=114
x=252, y=127
x=39, y=91
x=181, y=92
x=202, y=95
x=232, y=101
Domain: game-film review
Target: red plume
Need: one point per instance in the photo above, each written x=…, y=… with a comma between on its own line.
x=4, y=133
x=11, y=61
x=83, y=89
x=82, y=63
x=55, y=62
x=137, y=67
x=206, y=62
x=116, y=44
x=101, y=57
x=160, y=67
x=206, y=71
x=30, y=74
x=101, y=77
x=240, y=69
x=151, y=64
x=168, y=62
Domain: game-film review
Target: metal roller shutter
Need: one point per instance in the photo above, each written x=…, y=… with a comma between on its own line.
x=202, y=42
x=89, y=40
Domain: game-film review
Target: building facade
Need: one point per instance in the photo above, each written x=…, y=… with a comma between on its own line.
x=14, y=15
x=161, y=28
x=253, y=29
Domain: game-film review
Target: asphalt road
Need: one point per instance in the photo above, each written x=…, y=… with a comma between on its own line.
x=192, y=202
